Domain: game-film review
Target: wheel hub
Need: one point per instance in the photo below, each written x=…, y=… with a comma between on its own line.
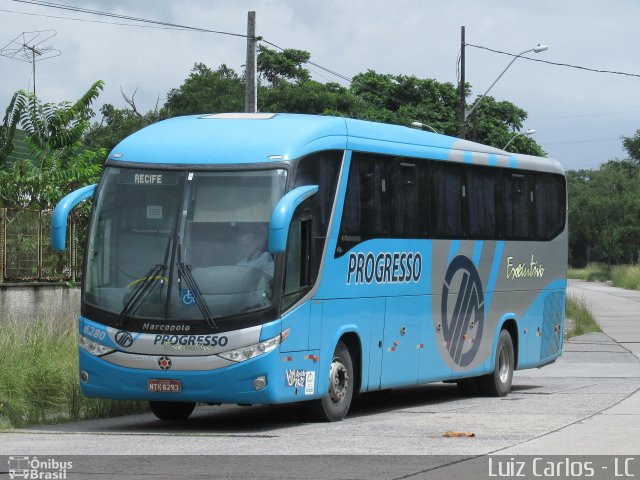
x=338, y=382
x=503, y=364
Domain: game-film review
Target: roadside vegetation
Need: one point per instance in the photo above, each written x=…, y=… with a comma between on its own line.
x=39, y=377
x=623, y=276
x=582, y=320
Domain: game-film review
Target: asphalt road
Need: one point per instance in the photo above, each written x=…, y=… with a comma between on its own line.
x=587, y=403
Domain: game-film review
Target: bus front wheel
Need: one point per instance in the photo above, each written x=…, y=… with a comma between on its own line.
x=498, y=383
x=334, y=405
x=172, y=411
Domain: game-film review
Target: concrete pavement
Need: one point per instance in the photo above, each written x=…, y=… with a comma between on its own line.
x=586, y=404
x=613, y=353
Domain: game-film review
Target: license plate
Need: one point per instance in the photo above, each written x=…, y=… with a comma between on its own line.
x=164, y=385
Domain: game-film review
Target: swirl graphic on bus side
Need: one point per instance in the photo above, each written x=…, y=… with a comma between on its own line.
x=463, y=326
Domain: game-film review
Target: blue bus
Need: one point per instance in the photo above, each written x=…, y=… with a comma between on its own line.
x=274, y=258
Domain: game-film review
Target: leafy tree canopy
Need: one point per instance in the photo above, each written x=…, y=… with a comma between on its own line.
x=58, y=162
x=276, y=67
x=632, y=146
x=206, y=91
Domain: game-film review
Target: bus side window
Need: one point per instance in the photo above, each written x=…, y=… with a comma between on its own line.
x=550, y=202
x=409, y=215
x=298, y=262
x=448, y=200
x=519, y=205
x=365, y=211
x=320, y=169
x=484, y=203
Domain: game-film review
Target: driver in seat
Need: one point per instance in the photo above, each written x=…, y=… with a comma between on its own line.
x=253, y=254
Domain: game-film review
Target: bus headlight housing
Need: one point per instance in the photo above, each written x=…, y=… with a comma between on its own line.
x=94, y=348
x=255, y=350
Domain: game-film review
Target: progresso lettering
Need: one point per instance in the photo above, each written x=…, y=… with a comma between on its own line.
x=384, y=267
x=201, y=340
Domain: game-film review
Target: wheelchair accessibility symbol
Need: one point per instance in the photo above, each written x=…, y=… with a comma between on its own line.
x=188, y=298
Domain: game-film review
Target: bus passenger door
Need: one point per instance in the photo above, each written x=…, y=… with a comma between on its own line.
x=403, y=331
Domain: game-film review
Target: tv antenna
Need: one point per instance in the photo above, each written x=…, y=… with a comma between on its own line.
x=28, y=47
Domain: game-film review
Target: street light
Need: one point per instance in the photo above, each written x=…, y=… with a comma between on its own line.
x=528, y=133
x=423, y=125
x=537, y=49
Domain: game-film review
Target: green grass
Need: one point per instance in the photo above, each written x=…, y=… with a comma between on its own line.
x=594, y=272
x=579, y=313
x=39, y=377
x=626, y=276
x=623, y=276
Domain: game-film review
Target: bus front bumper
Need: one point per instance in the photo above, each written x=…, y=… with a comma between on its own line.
x=289, y=377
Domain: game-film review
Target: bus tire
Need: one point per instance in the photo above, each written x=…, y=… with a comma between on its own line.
x=498, y=383
x=335, y=403
x=172, y=411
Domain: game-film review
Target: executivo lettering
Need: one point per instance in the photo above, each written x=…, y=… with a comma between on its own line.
x=532, y=269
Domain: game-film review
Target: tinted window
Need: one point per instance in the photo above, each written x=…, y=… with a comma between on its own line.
x=320, y=169
x=409, y=216
x=550, y=205
x=448, y=200
x=519, y=206
x=365, y=212
x=484, y=202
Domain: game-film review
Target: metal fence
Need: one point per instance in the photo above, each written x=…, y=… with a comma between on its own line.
x=25, y=247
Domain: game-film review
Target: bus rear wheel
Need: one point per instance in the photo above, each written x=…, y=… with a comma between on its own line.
x=498, y=383
x=334, y=405
x=172, y=411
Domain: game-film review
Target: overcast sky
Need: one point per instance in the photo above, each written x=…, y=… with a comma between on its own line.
x=579, y=116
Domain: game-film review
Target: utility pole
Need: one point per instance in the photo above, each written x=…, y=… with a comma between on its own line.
x=463, y=100
x=251, y=69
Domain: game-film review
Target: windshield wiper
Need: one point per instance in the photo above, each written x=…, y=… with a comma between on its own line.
x=140, y=293
x=192, y=285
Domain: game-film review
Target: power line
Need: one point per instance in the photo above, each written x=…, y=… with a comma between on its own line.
x=555, y=63
x=89, y=21
x=124, y=17
x=166, y=25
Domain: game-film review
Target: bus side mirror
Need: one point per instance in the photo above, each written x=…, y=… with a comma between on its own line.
x=61, y=213
x=282, y=215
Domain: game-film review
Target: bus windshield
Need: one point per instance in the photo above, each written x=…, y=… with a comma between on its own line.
x=182, y=245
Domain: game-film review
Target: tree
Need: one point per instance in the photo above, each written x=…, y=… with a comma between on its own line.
x=286, y=86
x=117, y=124
x=632, y=146
x=59, y=162
x=206, y=91
x=276, y=67
x=604, y=213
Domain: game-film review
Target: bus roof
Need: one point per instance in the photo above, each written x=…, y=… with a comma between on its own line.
x=240, y=138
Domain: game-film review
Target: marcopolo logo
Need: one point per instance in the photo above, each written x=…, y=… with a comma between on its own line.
x=124, y=339
x=463, y=319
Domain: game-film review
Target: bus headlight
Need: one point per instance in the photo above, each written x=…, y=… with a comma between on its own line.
x=94, y=348
x=257, y=349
